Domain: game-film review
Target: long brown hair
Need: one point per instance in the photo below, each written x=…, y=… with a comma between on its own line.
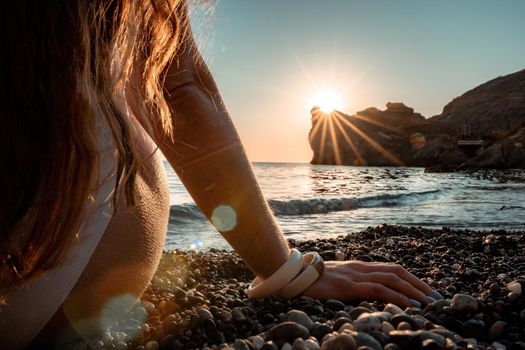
x=63, y=62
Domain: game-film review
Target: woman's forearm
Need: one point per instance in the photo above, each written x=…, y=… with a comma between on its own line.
x=209, y=158
x=207, y=154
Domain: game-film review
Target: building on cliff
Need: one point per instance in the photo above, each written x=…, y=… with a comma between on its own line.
x=398, y=107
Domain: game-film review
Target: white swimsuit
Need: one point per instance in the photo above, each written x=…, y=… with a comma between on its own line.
x=31, y=306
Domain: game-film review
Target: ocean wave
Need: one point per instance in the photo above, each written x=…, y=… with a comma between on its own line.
x=188, y=212
x=326, y=205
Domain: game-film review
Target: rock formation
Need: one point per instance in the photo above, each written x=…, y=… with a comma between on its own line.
x=495, y=106
x=485, y=127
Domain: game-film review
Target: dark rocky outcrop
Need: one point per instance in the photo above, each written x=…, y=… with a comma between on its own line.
x=495, y=106
x=483, y=128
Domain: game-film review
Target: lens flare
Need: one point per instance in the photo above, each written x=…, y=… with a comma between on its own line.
x=224, y=218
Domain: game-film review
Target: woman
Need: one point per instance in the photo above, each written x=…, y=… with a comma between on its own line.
x=91, y=91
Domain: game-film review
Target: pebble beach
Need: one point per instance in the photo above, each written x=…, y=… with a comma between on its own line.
x=196, y=299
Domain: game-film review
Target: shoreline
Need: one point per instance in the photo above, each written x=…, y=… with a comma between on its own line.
x=196, y=299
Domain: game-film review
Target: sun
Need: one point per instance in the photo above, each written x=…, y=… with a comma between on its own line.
x=328, y=101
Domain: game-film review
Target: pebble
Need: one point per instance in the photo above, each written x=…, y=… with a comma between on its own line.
x=494, y=288
x=429, y=344
x=342, y=313
x=438, y=305
x=339, y=342
x=152, y=345
x=204, y=314
x=512, y=296
x=445, y=333
x=269, y=346
x=515, y=287
x=339, y=256
x=386, y=327
x=363, y=339
x=240, y=344
x=473, y=328
x=300, y=317
x=319, y=330
x=357, y=311
x=367, y=322
x=393, y=309
x=299, y=344
x=286, y=346
x=404, y=326
x=405, y=339
x=226, y=316
x=340, y=322
x=397, y=319
x=496, y=330
x=437, y=338
x=257, y=341
x=382, y=316
x=150, y=307
x=465, y=303
x=121, y=345
x=381, y=337
x=107, y=338
x=238, y=315
x=347, y=327
x=312, y=344
x=335, y=305
x=288, y=331
x=498, y=346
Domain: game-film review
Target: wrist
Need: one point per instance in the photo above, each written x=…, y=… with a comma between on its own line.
x=274, y=262
x=261, y=288
x=291, y=279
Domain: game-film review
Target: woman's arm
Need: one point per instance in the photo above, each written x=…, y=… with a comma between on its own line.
x=208, y=156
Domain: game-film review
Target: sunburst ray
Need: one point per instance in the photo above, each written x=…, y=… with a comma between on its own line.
x=335, y=144
x=375, y=122
x=370, y=141
x=349, y=141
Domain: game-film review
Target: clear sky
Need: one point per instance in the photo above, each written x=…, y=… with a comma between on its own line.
x=269, y=57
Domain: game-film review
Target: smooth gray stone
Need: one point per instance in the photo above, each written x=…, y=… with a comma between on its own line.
x=363, y=339
x=357, y=311
x=463, y=302
x=300, y=317
x=367, y=322
x=393, y=309
x=339, y=342
x=288, y=331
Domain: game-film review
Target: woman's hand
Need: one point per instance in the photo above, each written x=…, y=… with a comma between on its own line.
x=357, y=280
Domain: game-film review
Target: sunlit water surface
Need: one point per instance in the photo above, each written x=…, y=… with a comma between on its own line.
x=312, y=201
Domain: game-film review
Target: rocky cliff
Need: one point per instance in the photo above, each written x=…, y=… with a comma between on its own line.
x=495, y=106
x=485, y=127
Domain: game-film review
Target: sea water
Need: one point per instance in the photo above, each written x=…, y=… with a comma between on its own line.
x=313, y=201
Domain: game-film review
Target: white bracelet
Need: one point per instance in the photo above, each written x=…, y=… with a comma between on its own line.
x=263, y=288
x=306, y=278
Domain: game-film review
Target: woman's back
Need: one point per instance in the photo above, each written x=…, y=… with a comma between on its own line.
x=113, y=262
x=126, y=257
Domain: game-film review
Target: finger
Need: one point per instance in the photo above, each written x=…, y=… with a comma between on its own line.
x=401, y=272
x=377, y=292
x=394, y=282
